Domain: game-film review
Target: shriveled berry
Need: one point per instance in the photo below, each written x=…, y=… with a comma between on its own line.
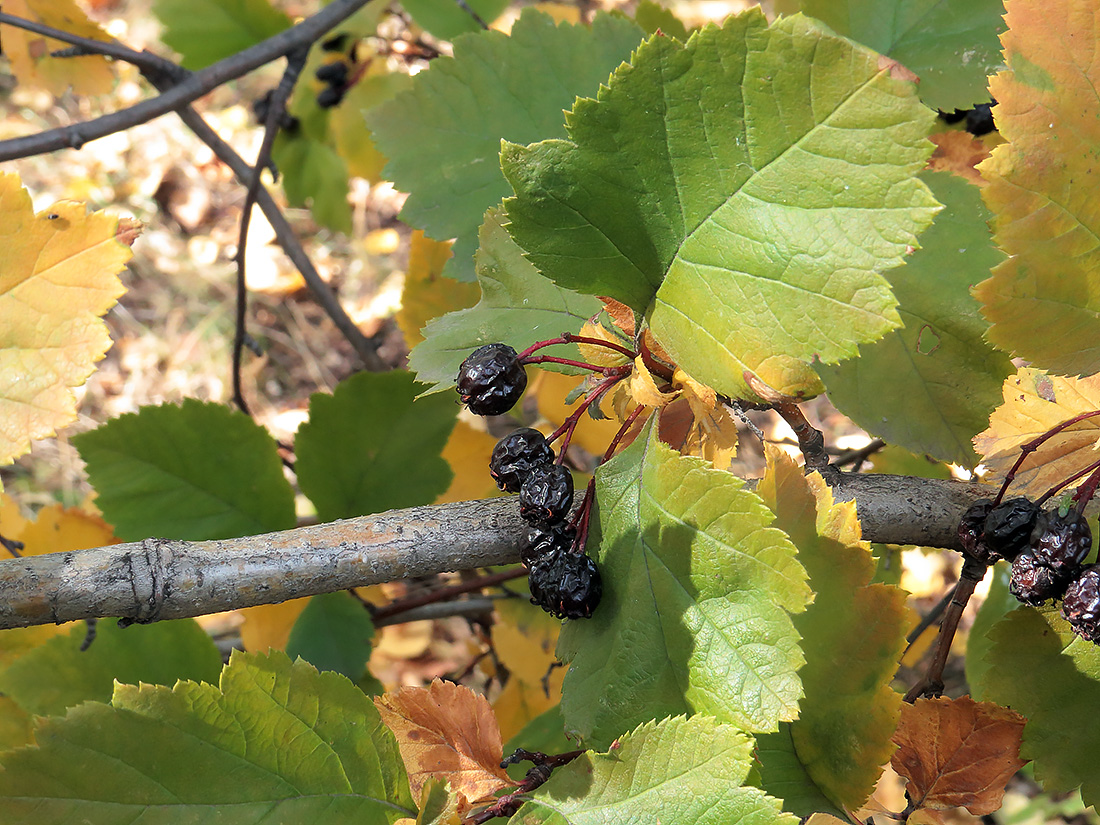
x=972, y=528
x=491, y=379
x=1061, y=542
x=330, y=96
x=580, y=588
x=545, y=538
x=334, y=74
x=516, y=455
x=1032, y=582
x=1081, y=605
x=1007, y=528
x=543, y=576
x=547, y=494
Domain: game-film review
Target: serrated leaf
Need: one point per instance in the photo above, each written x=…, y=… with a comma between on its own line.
x=1034, y=403
x=333, y=633
x=950, y=45
x=694, y=614
x=998, y=603
x=653, y=17
x=782, y=774
x=314, y=175
x=428, y=293
x=1044, y=211
x=373, y=446
x=524, y=638
x=732, y=188
x=853, y=635
x=446, y=131
x=196, y=471
x=30, y=54
x=1040, y=669
x=446, y=731
x=957, y=753
x=898, y=461
x=683, y=771
x=351, y=139
x=58, y=675
x=518, y=306
x=196, y=752
x=931, y=385
x=205, y=31
x=446, y=19
x=57, y=276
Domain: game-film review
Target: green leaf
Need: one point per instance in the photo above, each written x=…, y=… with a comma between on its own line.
x=931, y=386
x=783, y=775
x=1039, y=668
x=443, y=137
x=333, y=633
x=277, y=742
x=998, y=603
x=59, y=675
x=545, y=734
x=734, y=188
x=314, y=175
x=853, y=635
x=446, y=19
x=351, y=138
x=654, y=17
x=682, y=771
x=891, y=460
x=694, y=615
x=373, y=446
x=196, y=471
x=518, y=306
x=205, y=31
x=950, y=44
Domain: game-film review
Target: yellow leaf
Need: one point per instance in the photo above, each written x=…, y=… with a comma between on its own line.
x=446, y=731
x=57, y=275
x=551, y=390
x=601, y=356
x=16, y=727
x=267, y=627
x=468, y=451
x=428, y=294
x=29, y=53
x=521, y=702
x=1035, y=402
x=525, y=639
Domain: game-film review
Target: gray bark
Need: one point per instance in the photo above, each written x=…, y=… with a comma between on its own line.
x=159, y=579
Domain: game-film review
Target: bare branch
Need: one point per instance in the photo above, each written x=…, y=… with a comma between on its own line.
x=161, y=579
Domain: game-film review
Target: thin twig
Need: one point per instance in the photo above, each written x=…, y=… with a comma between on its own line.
x=810, y=439
x=857, y=457
x=442, y=594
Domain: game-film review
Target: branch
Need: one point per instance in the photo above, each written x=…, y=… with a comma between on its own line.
x=158, y=579
x=189, y=88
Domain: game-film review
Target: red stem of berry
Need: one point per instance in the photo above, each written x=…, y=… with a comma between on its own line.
x=1034, y=444
x=1054, y=490
x=623, y=430
x=570, y=424
x=550, y=359
x=570, y=338
x=1087, y=490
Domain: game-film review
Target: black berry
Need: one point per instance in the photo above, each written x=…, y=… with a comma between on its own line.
x=565, y=584
x=329, y=96
x=1081, y=605
x=547, y=494
x=516, y=455
x=1033, y=582
x=491, y=379
x=979, y=120
x=971, y=530
x=1061, y=542
x=334, y=74
x=1007, y=528
x=542, y=539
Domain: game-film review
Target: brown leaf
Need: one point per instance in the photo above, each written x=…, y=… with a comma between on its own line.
x=958, y=153
x=958, y=753
x=449, y=732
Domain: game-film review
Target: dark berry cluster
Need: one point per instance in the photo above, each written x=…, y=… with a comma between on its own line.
x=563, y=580
x=1047, y=549
x=336, y=73
x=979, y=120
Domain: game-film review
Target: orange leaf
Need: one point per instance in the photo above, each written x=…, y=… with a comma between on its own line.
x=30, y=53
x=448, y=732
x=958, y=753
x=468, y=452
x=57, y=274
x=958, y=153
x=1034, y=403
x=428, y=293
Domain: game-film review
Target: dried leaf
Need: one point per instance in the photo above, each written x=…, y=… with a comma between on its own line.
x=958, y=753
x=57, y=275
x=524, y=639
x=468, y=452
x=601, y=356
x=446, y=731
x=959, y=153
x=29, y=53
x=428, y=294
x=1035, y=402
x=267, y=626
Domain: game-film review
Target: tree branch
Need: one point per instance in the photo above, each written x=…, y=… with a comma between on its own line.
x=163, y=579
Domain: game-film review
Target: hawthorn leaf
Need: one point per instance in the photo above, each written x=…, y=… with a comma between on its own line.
x=518, y=306
x=31, y=57
x=446, y=731
x=443, y=136
x=853, y=635
x=998, y=603
x=931, y=385
x=957, y=753
x=373, y=446
x=745, y=190
x=428, y=293
x=58, y=275
x=59, y=675
x=959, y=153
x=653, y=17
x=196, y=752
x=690, y=771
x=524, y=638
x=333, y=633
x=446, y=20
x=467, y=452
x=782, y=774
x=1034, y=403
x=1038, y=667
x=314, y=175
x=898, y=461
x=195, y=471
x=950, y=45
x=1042, y=301
x=695, y=611
x=205, y=31
x=350, y=136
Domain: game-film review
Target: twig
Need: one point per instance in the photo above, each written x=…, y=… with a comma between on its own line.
x=810, y=439
x=543, y=767
x=466, y=608
x=930, y=618
x=857, y=457
x=443, y=594
x=12, y=546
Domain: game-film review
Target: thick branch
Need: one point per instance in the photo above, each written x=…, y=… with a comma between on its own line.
x=161, y=579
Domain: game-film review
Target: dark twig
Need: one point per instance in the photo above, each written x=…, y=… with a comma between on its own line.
x=930, y=618
x=857, y=457
x=276, y=106
x=543, y=767
x=89, y=634
x=1031, y=446
x=810, y=439
x=443, y=594
x=12, y=546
